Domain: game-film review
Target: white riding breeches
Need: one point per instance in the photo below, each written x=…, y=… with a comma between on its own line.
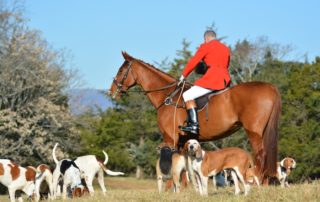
x=194, y=92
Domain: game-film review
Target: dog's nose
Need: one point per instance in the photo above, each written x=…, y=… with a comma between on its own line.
x=191, y=147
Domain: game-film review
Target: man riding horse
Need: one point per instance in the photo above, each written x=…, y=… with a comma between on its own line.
x=216, y=56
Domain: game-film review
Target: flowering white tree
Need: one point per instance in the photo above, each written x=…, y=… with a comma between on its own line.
x=33, y=106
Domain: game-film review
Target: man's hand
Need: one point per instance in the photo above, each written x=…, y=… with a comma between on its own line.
x=181, y=80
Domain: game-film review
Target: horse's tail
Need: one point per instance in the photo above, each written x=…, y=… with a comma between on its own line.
x=270, y=138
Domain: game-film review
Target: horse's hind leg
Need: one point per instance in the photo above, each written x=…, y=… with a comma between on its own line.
x=256, y=144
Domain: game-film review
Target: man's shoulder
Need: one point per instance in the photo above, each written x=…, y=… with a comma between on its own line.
x=203, y=45
x=213, y=44
x=218, y=44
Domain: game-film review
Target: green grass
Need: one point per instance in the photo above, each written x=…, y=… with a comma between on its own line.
x=130, y=189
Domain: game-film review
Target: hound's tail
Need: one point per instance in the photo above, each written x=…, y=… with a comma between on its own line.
x=54, y=154
x=37, y=174
x=109, y=172
x=106, y=157
x=34, y=169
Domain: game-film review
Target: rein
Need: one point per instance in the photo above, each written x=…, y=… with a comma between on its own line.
x=120, y=84
x=168, y=100
x=155, y=90
x=175, y=111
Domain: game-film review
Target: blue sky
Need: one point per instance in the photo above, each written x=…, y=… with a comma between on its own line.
x=96, y=31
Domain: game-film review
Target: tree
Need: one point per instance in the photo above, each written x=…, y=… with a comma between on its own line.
x=33, y=103
x=129, y=127
x=247, y=57
x=300, y=131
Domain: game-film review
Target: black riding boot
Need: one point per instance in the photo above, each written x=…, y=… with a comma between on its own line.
x=192, y=122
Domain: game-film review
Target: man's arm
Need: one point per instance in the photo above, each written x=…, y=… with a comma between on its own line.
x=201, y=52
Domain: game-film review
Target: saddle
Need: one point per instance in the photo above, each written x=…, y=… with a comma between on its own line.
x=202, y=101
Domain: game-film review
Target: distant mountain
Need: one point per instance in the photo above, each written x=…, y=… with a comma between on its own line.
x=82, y=100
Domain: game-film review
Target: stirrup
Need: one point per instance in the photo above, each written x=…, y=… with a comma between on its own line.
x=193, y=129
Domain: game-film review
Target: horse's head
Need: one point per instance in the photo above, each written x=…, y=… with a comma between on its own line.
x=124, y=78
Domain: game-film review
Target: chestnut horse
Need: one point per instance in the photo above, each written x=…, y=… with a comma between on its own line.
x=255, y=106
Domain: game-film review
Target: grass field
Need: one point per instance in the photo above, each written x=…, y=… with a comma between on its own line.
x=130, y=189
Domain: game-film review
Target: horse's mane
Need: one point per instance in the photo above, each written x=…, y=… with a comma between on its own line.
x=129, y=57
x=159, y=70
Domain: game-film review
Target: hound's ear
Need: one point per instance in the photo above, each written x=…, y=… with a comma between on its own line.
x=185, y=147
x=126, y=56
x=282, y=162
x=199, y=152
x=158, y=148
x=294, y=164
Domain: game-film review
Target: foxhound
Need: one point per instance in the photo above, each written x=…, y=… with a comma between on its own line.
x=169, y=166
x=43, y=174
x=284, y=169
x=15, y=178
x=251, y=176
x=208, y=163
x=70, y=173
x=90, y=166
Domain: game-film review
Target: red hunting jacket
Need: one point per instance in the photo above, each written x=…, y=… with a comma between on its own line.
x=216, y=55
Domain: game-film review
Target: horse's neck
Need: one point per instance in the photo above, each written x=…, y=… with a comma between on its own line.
x=150, y=79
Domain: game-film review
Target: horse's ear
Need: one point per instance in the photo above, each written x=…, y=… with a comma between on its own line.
x=126, y=56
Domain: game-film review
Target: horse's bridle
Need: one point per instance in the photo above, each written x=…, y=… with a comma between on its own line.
x=167, y=101
x=120, y=84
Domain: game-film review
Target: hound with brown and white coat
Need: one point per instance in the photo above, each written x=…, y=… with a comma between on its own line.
x=251, y=176
x=169, y=166
x=90, y=167
x=284, y=169
x=208, y=163
x=15, y=177
x=43, y=174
